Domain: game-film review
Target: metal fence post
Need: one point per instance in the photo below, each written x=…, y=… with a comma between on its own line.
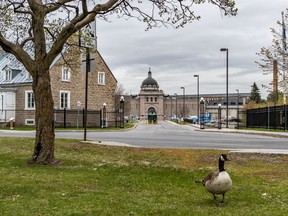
x=275, y=126
x=64, y=117
x=83, y=116
x=285, y=117
x=100, y=118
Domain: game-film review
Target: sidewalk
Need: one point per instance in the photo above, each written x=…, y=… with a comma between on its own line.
x=242, y=131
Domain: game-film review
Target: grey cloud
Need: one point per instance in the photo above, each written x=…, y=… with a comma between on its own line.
x=176, y=55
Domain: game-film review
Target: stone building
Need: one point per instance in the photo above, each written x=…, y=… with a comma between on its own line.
x=153, y=104
x=67, y=83
x=151, y=100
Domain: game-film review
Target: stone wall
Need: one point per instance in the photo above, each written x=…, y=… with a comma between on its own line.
x=21, y=112
x=173, y=107
x=97, y=94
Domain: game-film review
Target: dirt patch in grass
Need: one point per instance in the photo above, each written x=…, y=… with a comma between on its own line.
x=266, y=166
x=269, y=158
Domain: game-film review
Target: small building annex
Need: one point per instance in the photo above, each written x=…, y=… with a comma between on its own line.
x=67, y=83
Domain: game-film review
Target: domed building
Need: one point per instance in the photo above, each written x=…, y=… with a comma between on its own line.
x=152, y=105
x=151, y=100
x=150, y=83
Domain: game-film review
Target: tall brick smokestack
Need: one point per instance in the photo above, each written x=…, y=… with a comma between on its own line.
x=275, y=78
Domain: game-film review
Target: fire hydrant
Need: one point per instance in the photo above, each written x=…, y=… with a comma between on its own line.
x=11, y=121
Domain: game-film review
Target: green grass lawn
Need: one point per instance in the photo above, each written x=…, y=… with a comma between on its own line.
x=264, y=129
x=29, y=128
x=101, y=180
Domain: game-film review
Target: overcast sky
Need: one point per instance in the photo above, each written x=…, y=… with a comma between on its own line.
x=176, y=55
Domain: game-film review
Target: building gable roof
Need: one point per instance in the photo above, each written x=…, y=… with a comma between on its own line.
x=106, y=65
x=22, y=76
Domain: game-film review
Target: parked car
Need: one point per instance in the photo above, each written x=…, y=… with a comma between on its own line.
x=191, y=119
x=212, y=123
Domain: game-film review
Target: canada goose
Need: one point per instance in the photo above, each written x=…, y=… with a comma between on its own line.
x=218, y=182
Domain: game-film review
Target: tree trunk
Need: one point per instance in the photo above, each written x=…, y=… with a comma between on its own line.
x=44, y=117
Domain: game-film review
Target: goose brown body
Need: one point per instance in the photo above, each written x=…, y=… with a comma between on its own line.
x=219, y=182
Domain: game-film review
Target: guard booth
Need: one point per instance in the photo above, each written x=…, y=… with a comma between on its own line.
x=152, y=116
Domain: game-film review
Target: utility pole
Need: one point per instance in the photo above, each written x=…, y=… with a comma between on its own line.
x=92, y=35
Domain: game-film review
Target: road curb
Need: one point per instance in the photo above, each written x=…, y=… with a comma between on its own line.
x=259, y=133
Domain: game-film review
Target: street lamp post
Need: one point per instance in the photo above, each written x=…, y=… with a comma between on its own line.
x=198, y=99
x=176, y=103
x=183, y=102
x=226, y=50
x=86, y=83
x=202, y=113
x=121, y=110
x=219, y=116
x=237, y=108
x=86, y=91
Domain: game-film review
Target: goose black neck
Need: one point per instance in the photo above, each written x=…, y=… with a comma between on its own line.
x=221, y=165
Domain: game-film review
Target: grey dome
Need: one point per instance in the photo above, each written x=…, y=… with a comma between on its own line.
x=149, y=83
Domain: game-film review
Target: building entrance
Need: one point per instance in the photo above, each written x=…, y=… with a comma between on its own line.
x=152, y=116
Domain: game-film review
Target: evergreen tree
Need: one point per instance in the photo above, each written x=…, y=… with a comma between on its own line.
x=255, y=94
x=272, y=97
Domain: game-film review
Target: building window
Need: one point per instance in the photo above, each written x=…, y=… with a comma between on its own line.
x=101, y=78
x=8, y=75
x=151, y=99
x=64, y=99
x=65, y=74
x=155, y=99
x=147, y=99
x=29, y=100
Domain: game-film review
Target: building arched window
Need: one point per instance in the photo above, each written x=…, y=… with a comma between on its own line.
x=147, y=99
x=151, y=99
x=155, y=99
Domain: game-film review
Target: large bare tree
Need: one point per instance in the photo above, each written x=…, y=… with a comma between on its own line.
x=276, y=53
x=35, y=32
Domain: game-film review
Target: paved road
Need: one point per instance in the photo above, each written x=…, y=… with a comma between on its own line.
x=168, y=135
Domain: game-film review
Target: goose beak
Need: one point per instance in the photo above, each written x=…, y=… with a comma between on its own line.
x=228, y=159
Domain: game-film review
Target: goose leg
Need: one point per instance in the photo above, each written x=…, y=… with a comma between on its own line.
x=223, y=198
x=215, y=198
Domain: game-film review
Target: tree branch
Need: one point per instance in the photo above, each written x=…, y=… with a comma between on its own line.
x=75, y=25
x=17, y=51
x=55, y=6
